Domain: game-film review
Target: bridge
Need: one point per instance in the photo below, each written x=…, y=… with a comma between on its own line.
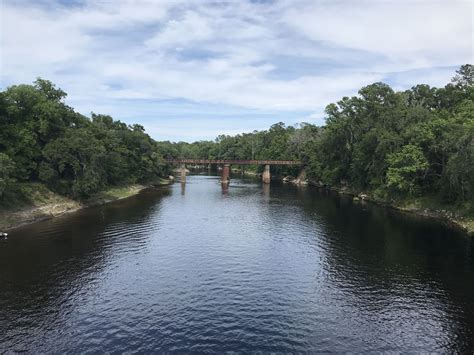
x=226, y=163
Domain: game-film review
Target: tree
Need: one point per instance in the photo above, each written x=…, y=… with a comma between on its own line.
x=7, y=167
x=464, y=76
x=48, y=89
x=74, y=164
x=418, y=140
x=459, y=169
x=405, y=168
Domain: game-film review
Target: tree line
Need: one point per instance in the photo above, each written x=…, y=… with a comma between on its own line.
x=44, y=140
x=413, y=142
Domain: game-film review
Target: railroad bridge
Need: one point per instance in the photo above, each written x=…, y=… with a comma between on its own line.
x=226, y=163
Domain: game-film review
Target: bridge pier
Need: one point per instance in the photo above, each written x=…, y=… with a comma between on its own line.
x=266, y=174
x=183, y=173
x=225, y=177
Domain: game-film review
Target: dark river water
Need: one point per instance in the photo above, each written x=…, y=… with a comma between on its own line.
x=253, y=268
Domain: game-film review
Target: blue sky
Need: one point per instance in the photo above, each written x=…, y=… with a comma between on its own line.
x=193, y=69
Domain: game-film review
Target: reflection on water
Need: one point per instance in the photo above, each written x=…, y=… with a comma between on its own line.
x=251, y=267
x=225, y=188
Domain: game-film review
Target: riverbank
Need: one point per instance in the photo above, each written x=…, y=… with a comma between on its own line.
x=44, y=204
x=459, y=217
x=425, y=206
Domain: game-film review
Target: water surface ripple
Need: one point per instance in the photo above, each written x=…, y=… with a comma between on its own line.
x=253, y=268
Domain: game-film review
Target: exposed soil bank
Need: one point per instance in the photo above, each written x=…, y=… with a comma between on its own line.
x=418, y=206
x=47, y=204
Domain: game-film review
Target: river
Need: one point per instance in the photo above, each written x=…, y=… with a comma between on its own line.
x=275, y=268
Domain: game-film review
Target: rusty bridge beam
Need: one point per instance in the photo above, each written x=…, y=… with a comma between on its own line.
x=235, y=162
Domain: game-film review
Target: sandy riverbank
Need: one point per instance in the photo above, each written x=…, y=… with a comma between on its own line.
x=47, y=204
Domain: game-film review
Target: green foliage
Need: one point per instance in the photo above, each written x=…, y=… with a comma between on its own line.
x=6, y=170
x=417, y=141
x=464, y=77
x=460, y=161
x=72, y=154
x=420, y=140
x=73, y=165
x=405, y=167
x=411, y=142
x=279, y=142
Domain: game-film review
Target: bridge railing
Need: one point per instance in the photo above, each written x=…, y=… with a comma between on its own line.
x=235, y=162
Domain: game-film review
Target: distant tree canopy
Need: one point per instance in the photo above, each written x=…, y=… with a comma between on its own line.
x=419, y=141
x=413, y=142
x=44, y=140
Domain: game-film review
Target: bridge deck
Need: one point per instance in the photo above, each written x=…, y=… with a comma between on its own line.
x=235, y=162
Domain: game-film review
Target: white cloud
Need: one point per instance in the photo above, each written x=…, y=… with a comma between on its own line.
x=421, y=32
x=31, y=40
x=100, y=14
x=283, y=56
x=191, y=28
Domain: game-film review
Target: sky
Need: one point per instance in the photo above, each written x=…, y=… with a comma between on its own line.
x=193, y=69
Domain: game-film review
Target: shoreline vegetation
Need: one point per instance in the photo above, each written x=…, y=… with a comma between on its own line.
x=412, y=150
x=426, y=207
x=423, y=207
x=44, y=204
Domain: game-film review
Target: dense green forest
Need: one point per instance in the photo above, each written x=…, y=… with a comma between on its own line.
x=410, y=143
x=415, y=142
x=44, y=140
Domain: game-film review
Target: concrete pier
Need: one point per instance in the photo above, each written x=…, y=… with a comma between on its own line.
x=225, y=177
x=226, y=163
x=266, y=174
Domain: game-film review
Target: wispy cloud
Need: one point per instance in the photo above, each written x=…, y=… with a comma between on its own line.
x=261, y=61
